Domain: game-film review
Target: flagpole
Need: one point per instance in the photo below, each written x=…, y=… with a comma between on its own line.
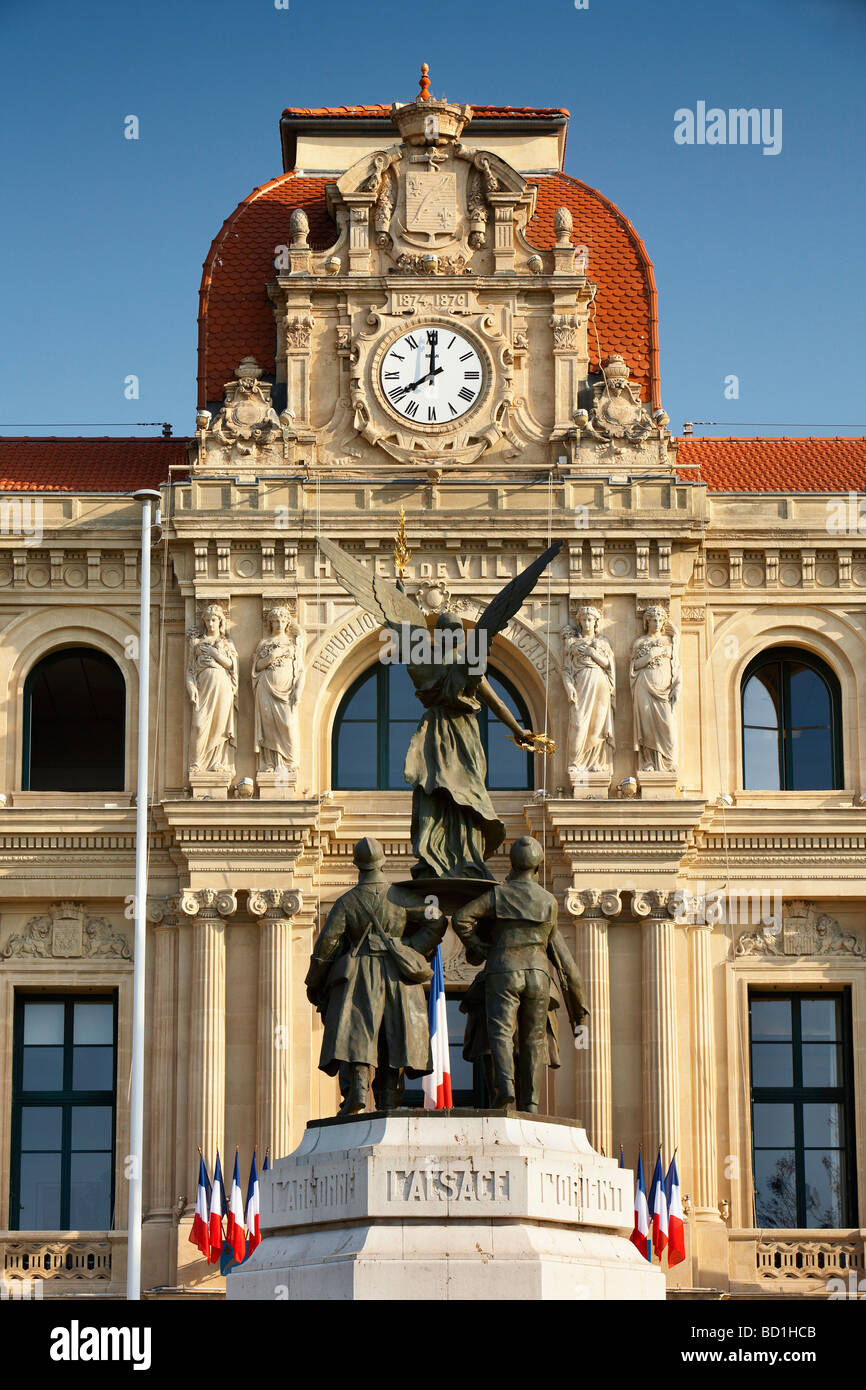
x=147, y=497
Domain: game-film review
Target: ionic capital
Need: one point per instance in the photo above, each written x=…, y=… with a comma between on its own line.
x=208, y=903
x=164, y=912
x=274, y=904
x=593, y=903
x=653, y=903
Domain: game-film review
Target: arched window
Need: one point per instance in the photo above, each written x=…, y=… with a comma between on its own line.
x=74, y=723
x=792, y=723
x=379, y=714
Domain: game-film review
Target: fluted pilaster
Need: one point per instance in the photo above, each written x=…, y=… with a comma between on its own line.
x=658, y=1024
x=275, y=909
x=207, y=1063
x=164, y=913
x=594, y=1075
x=704, y=1182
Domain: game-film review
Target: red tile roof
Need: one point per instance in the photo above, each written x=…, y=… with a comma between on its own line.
x=87, y=465
x=517, y=113
x=774, y=465
x=236, y=317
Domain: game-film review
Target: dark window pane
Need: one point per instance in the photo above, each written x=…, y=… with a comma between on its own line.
x=356, y=755
x=90, y=1192
x=761, y=701
x=810, y=698
x=363, y=703
x=812, y=759
x=43, y=1023
x=775, y=1188
x=771, y=1020
x=92, y=1127
x=761, y=760
x=819, y=1020
x=773, y=1125
x=823, y=1125
x=772, y=1064
x=93, y=1023
x=825, y=1205
x=39, y=1193
x=42, y=1069
x=92, y=1068
x=41, y=1126
x=821, y=1064
x=401, y=695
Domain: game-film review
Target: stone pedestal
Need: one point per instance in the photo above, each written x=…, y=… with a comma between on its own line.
x=589, y=786
x=210, y=786
x=657, y=786
x=277, y=786
x=446, y=1205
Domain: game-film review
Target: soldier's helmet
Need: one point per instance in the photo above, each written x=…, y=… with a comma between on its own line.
x=526, y=853
x=368, y=853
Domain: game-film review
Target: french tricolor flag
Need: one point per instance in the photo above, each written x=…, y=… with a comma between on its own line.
x=199, y=1233
x=437, y=1086
x=254, y=1235
x=676, y=1223
x=658, y=1205
x=217, y=1212
x=236, y=1235
x=640, y=1234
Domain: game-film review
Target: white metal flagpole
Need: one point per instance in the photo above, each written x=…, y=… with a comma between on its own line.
x=135, y=1159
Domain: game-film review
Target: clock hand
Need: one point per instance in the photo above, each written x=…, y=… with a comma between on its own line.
x=432, y=339
x=426, y=377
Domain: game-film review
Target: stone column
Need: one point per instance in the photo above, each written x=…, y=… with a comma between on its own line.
x=166, y=916
x=593, y=1064
x=275, y=908
x=207, y=1060
x=658, y=1030
x=705, y=1184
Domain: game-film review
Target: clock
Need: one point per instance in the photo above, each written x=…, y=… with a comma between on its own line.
x=432, y=376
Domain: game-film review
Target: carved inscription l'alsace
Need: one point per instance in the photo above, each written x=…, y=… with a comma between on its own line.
x=447, y=1184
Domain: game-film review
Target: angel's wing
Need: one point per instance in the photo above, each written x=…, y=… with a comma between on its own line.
x=501, y=609
x=379, y=596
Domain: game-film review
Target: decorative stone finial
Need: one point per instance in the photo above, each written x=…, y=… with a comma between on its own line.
x=299, y=225
x=563, y=225
x=424, y=84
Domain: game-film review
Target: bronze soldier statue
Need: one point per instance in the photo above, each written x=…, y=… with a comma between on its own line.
x=366, y=978
x=513, y=929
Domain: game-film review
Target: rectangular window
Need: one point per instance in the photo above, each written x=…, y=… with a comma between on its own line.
x=63, y=1113
x=802, y=1110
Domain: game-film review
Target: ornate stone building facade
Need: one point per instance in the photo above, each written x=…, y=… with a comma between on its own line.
x=424, y=315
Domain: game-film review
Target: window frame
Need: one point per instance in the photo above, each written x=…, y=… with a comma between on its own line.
x=65, y=1099
x=797, y=1095
x=27, y=720
x=781, y=657
x=381, y=672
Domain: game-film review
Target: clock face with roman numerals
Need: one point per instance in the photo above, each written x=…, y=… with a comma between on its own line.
x=431, y=376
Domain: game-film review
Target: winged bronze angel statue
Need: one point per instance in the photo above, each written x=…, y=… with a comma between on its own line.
x=454, y=826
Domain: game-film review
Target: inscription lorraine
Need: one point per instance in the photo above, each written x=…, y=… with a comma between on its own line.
x=446, y=1184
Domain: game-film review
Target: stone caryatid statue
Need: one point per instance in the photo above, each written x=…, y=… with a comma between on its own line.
x=454, y=825
x=512, y=928
x=366, y=978
x=278, y=682
x=212, y=686
x=588, y=676
x=655, y=686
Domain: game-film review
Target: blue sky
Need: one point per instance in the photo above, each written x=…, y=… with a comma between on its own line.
x=759, y=258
